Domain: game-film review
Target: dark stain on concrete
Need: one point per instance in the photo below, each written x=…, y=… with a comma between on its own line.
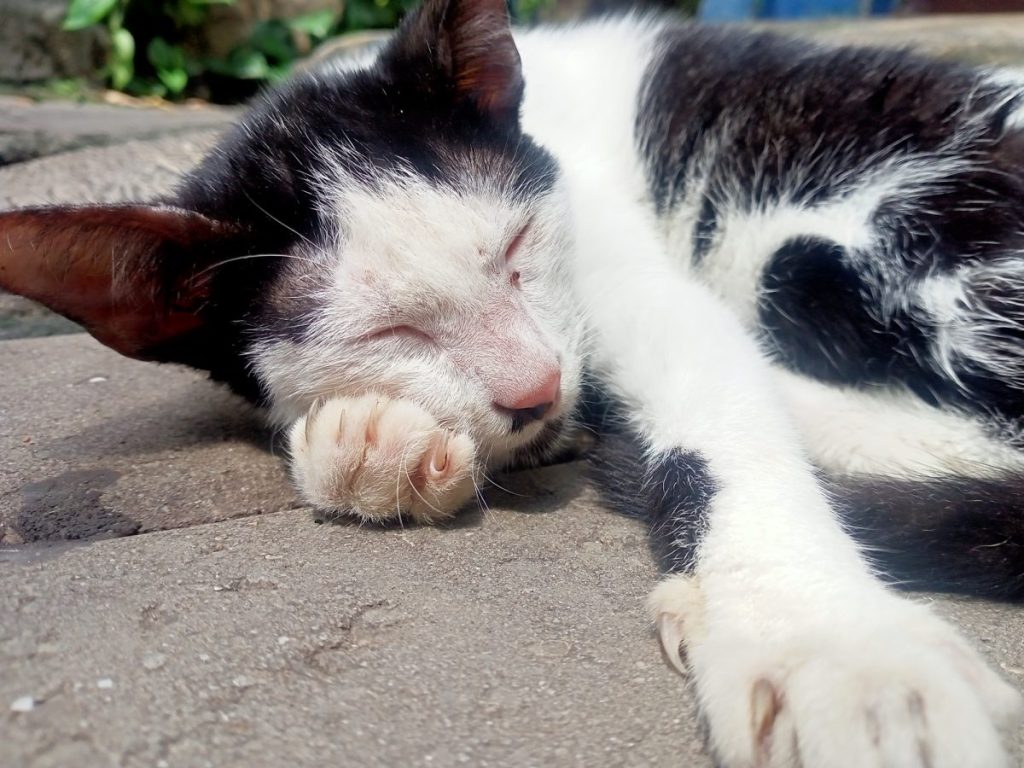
x=70, y=506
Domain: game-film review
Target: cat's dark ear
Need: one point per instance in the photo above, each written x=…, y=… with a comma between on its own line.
x=470, y=41
x=133, y=275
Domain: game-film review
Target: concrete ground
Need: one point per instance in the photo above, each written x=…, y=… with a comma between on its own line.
x=239, y=632
x=250, y=635
x=236, y=631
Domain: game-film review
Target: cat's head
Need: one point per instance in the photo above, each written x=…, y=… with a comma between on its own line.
x=385, y=227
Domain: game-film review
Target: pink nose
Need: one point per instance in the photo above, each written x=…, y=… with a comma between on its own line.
x=536, y=401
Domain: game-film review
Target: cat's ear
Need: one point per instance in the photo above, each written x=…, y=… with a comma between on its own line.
x=485, y=62
x=471, y=42
x=133, y=275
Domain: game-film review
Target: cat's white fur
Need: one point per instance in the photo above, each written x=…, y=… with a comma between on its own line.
x=969, y=333
x=889, y=432
x=736, y=260
x=782, y=607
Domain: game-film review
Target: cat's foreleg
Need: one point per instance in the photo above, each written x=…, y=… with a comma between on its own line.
x=798, y=655
x=377, y=458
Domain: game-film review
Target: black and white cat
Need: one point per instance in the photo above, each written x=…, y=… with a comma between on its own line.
x=782, y=283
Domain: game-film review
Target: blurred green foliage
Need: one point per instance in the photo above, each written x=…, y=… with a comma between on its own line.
x=155, y=49
x=374, y=14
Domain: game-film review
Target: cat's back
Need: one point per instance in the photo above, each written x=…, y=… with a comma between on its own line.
x=794, y=118
x=646, y=98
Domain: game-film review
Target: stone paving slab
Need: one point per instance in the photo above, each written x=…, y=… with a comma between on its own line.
x=34, y=47
x=137, y=169
x=30, y=129
x=513, y=637
x=21, y=318
x=94, y=444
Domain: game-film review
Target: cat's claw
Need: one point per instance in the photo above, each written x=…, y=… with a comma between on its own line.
x=377, y=458
x=897, y=687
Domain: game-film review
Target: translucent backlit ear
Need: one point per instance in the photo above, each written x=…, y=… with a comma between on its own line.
x=134, y=275
x=469, y=42
x=485, y=61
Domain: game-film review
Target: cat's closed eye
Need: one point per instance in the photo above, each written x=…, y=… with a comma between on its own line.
x=405, y=332
x=515, y=243
x=512, y=249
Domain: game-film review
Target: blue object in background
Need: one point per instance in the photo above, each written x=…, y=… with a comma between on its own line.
x=727, y=10
x=736, y=10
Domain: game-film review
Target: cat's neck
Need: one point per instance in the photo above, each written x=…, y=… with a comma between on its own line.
x=582, y=86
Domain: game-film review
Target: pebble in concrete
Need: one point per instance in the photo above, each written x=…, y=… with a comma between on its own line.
x=23, y=704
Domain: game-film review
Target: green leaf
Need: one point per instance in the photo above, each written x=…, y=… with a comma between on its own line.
x=318, y=24
x=122, y=46
x=273, y=39
x=170, y=63
x=252, y=65
x=121, y=73
x=174, y=79
x=163, y=55
x=246, y=64
x=188, y=15
x=121, y=61
x=85, y=13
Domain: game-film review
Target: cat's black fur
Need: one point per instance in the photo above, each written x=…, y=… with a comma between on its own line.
x=767, y=118
x=959, y=535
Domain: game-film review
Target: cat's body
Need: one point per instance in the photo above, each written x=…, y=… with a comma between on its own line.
x=700, y=245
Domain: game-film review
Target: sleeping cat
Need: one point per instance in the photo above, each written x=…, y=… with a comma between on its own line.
x=780, y=283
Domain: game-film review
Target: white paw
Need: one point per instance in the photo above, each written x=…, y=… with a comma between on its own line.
x=884, y=684
x=377, y=459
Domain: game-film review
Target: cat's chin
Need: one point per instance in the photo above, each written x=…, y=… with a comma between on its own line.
x=553, y=441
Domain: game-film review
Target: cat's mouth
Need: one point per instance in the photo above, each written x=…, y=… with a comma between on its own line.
x=550, y=444
x=521, y=418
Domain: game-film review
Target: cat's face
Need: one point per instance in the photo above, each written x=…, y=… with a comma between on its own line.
x=450, y=292
x=385, y=228
x=430, y=264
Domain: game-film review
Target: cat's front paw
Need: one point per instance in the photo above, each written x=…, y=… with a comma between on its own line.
x=377, y=458
x=883, y=683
